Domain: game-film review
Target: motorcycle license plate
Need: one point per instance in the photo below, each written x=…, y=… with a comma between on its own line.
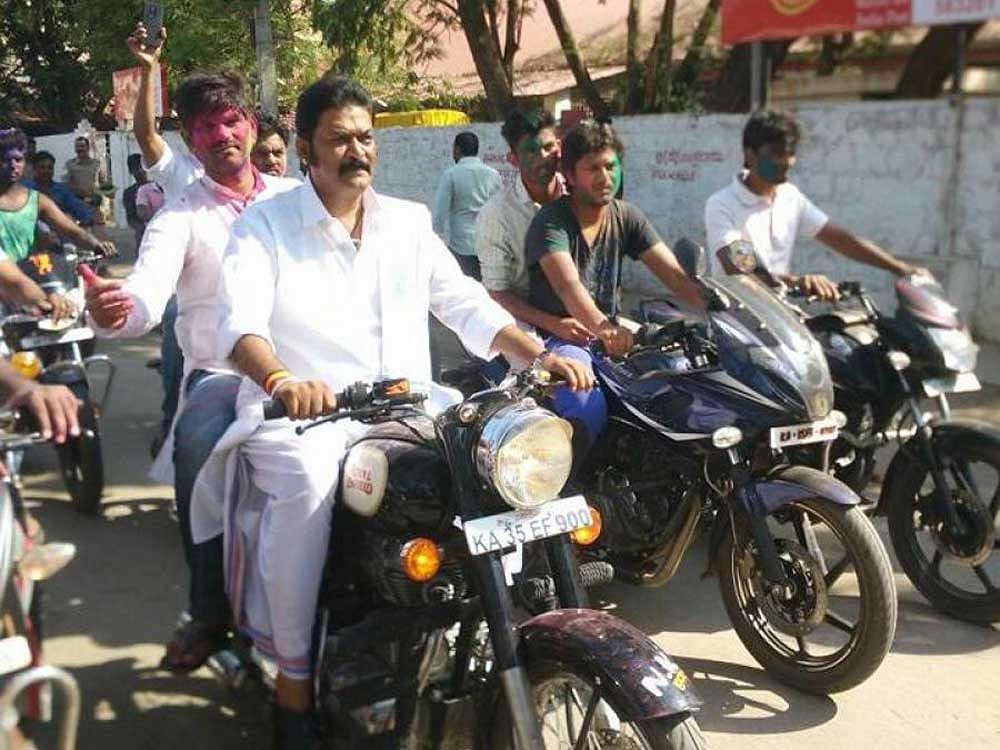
x=495, y=533
x=961, y=383
x=800, y=434
x=71, y=336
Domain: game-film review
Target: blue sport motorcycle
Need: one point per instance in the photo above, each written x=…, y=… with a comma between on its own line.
x=702, y=413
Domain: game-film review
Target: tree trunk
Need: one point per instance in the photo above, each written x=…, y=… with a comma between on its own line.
x=632, y=101
x=932, y=61
x=690, y=68
x=658, y=73
x=732, y=91
x=513, y=37
x=487, y=58
x=575, y=61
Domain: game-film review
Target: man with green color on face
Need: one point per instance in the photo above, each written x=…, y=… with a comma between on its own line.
x=762, y=207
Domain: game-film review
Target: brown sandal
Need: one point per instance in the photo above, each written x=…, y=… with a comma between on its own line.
x=192, y=644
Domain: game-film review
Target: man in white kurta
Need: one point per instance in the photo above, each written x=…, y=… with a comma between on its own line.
x=325, y=285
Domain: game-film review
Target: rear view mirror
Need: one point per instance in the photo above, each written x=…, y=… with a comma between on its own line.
x=739, y=257
x=691, y=256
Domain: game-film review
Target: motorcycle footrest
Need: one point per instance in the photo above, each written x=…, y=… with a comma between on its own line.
x=596, y=572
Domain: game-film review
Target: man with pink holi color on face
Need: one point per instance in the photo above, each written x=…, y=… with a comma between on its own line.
x=182, y=251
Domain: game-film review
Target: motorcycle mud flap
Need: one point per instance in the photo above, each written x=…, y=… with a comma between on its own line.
x=634, y=672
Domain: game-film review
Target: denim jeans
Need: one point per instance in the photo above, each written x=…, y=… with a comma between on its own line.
x=586, y=410
x=171, y=365
x=209, y=410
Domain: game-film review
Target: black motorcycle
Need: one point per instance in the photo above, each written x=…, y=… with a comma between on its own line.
x=63, y=354
x=416, y=624
x=703, y=414
x=941, y=491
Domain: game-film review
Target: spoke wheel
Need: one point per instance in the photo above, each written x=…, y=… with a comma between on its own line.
x=833, y=624
x=956, y=567
x=574, y=713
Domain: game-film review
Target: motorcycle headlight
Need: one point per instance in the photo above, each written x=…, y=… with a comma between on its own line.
x=957, y=348
x=526, y=454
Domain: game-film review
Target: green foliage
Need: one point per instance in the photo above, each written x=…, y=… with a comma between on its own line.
x=57, y=56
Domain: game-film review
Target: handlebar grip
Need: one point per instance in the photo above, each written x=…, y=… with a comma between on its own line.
x=274, y=409
x=87, y=273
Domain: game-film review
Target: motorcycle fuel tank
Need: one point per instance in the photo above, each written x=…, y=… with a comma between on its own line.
x=397, y=478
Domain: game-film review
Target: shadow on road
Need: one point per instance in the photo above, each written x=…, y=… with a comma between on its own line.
x=744, y=700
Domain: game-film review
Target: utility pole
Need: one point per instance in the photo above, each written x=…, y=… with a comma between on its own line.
x=264, y=48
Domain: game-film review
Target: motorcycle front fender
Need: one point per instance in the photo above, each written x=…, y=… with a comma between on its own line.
x=785, y=484
x=635, y=674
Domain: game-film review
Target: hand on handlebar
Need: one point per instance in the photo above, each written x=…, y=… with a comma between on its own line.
x=305, y=399
x=106, y=249
x=577, y=375
x=818, y=285
x=617, y=341
x=54, y=407
x=57, y=307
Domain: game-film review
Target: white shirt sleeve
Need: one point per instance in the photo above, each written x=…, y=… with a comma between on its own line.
x=458, y=301
x=811, y=218
x=174, y=172
x=154, y=277
x=721, y=227
x=247, y=284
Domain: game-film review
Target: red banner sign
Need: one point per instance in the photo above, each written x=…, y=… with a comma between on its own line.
x=125, y=84
x=756, y=20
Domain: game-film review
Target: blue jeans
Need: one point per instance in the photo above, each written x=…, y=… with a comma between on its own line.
x=171, y=365
x=587, y=411
x=209, y=410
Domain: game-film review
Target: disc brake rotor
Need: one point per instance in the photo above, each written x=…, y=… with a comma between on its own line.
x=805, y=609
x=973, y=542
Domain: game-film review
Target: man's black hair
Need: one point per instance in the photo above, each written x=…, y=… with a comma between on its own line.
x=13, y=138
x=210, y=92
x=268, y=125
x=83, y=138
x=329, y=92
x=520, y=123
x=134, y=162
x=41, y=156
x=588, y=137
x=771, y=126
x=467, y=143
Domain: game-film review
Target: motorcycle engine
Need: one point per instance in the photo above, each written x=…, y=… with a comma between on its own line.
x=636, y=501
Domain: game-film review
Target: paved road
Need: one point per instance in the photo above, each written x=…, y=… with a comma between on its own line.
x=110, y=611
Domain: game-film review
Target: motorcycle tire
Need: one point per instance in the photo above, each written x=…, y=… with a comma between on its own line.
x=870, y=638
x=82, y=463
x=678, y=732
x=899, y=500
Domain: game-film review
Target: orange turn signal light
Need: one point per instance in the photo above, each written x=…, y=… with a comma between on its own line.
x=421, y=559
x=587, y=535
x=27, y=364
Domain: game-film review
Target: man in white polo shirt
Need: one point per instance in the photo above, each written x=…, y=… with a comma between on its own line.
x=762, y=207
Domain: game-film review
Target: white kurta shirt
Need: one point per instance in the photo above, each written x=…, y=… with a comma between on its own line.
x=293, y=276
x=174, y=171
x=771, y=224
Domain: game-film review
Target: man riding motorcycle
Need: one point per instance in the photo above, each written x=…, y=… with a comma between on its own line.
x=324, y=285
x=575, y=249
x=762, y=207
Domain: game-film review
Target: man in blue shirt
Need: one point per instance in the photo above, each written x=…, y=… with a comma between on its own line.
x=44, y=166
x=463, y=190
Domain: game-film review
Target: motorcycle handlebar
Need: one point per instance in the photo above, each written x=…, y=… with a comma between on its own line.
x=358, y=396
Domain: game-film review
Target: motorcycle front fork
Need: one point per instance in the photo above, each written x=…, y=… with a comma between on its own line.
x=944, y=507
x=756, y=515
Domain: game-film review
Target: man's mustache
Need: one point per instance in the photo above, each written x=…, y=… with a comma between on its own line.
x=352, y=165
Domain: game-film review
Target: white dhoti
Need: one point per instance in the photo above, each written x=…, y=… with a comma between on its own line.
x=278, y=490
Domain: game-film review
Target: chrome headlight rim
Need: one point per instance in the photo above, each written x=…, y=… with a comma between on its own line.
x=500, y=430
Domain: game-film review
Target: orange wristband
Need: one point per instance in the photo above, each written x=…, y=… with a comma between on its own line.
x=272, y=380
